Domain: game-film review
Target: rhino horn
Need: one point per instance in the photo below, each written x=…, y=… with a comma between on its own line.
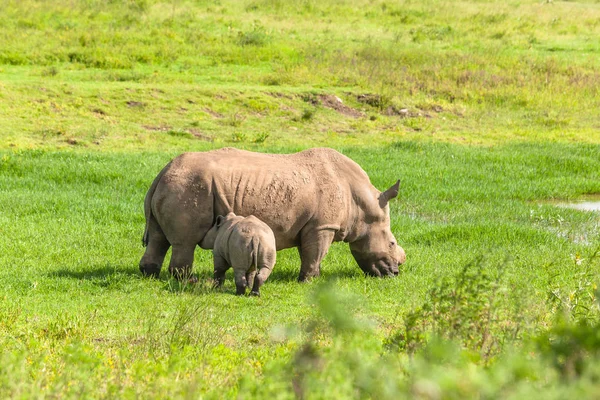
x=389, y=194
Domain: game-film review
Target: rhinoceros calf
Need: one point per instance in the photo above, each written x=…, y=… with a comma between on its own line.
x=308, y=199
x=247, y=245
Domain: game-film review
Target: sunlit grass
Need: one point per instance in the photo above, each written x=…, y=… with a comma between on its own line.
x=483, y=110
x=73, y=299
x=121, y=75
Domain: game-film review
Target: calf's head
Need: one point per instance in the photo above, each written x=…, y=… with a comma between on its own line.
x=375, y=249
x=208, y=242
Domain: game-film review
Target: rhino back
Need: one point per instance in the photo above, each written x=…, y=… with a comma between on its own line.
x=285, y=191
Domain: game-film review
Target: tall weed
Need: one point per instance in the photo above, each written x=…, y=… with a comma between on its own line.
x=573, y=340
x=470, y=309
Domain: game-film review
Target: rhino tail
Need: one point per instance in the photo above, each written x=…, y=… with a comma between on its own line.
x=254, y=252
x=148, y=205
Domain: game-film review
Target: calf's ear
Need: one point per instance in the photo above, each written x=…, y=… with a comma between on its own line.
x=389, y=194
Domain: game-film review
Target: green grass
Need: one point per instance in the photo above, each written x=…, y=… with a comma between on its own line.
x=120, y=74
x=77, y=316
x=484, y=110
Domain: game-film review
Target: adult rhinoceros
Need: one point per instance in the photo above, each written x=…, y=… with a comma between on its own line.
x=309, y=199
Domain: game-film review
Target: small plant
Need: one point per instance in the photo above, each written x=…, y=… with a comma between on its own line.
x=256, y=37
x=179, y=133
x=235, y=120
x=379, y=101
x=416, y=124
x=188, y=325
x=581, y=302
x=311, y=98
x=307, y=114
x=50, y=71
x=574, y=337
x=64, y=327
x=238, y=137
x=261, y=137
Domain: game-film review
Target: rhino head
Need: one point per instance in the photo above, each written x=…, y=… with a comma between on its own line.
x=208, y=242
x=375, y=249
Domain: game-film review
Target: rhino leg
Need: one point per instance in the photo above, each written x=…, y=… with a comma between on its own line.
x=314, y=245
x=181, y=261
x=152, y=260
x=240, y=281
x=220, y=268
x=250, y=275
x=259, y=280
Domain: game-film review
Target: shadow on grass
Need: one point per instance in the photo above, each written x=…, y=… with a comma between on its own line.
x=121, y=276
x=291, y=274
x=96, y=273
x=205, y=282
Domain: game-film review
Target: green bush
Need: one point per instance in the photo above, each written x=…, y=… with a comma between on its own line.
x=470, y=309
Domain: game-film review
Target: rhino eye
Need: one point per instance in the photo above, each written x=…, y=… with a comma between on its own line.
x=392, y=244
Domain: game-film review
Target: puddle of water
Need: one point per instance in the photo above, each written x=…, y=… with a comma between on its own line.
x=585, y=232
x=585, y=203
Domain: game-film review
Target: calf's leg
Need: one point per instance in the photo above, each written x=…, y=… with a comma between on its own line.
x=259, y=280
x=240, y=281
x=221, y=267
x=250, y=276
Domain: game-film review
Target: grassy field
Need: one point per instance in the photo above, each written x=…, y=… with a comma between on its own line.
x=487, y=111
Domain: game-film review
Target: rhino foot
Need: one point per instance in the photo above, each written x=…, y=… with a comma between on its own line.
x=255, y=293
x=150, y=270
x=307, y=277
x=240, y=291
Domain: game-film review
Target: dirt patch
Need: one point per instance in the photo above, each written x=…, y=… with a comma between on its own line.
x=99, y=111
x=179, y=132
x=335, y=103
x=310, y=98
x=212, y=113
x=279, y=95
x=430, y=107
x=162, y=128
x=392, y=111
x=132, y=103
x=374, y=100
x=199, y=135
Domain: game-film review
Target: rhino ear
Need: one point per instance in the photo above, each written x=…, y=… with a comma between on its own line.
x=220, y=219
x=389, y=194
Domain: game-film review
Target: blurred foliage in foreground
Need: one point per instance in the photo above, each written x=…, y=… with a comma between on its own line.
x=461, y=343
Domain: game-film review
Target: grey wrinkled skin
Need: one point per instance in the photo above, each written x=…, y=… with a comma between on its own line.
x=247, y=245
x=308, y=199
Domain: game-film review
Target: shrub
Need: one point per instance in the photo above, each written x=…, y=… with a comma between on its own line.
x=261, y=137
x=468, y=309
x=574, y=337
x=256, y=37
